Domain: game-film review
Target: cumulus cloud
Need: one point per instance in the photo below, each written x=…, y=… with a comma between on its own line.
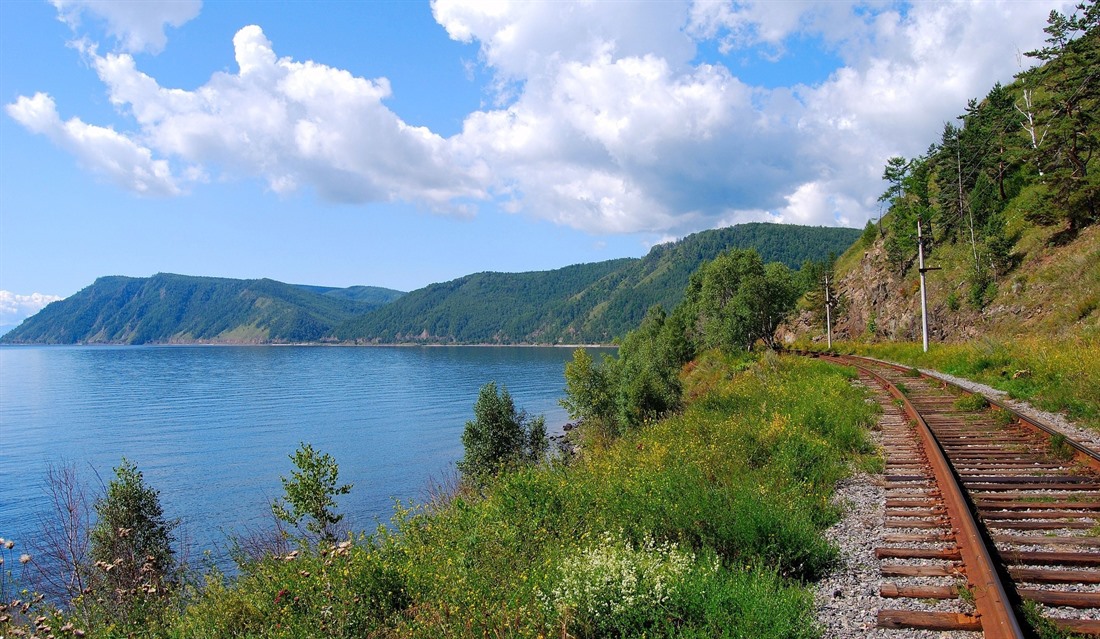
x=136, y=25
x=293, y=124
x=14, y=308
x=618, y=128
x=604, y=115
x=100, y=149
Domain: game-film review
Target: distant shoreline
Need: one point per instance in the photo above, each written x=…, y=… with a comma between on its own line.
x=318, y=344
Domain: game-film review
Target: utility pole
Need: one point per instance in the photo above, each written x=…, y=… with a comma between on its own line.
x=828, y=313
x=923, y=294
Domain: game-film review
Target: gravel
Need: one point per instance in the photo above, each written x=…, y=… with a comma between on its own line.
x=847, y=601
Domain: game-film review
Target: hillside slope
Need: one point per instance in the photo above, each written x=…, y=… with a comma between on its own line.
x=590, y=303
x=1054, y=291
x=168, y=308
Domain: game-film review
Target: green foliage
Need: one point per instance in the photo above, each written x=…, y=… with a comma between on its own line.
x=134, y=568
x=614, y=588
x=1060, y=448
x=870, y=234
x=738, y=300
x=168, y=308
x=347, y=590
x=1066, y=108
x=971, y=402
x=585, y=303
x=982, y=287
x=730, y=303
x=588, y=388
x=1037, y=137
x=648, y=369
x=310, y=493
x=500, y=437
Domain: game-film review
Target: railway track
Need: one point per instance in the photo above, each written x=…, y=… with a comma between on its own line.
x=1001, y=508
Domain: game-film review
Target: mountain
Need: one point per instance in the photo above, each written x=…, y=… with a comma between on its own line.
x=592, y=303
x=370, y=295
x=167, y=308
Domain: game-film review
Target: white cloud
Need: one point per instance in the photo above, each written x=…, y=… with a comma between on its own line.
x=138, y=25
x=100, y=149
x=604, y=119
x=613, y=128
x=14, y=308
x=293, y=124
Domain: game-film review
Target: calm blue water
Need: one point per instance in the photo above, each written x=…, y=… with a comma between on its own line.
x=211, y=427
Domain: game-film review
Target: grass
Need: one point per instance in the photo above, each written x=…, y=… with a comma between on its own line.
x=1059, y=375
x=1060, y=448
x=971, y=402
x=706, y=524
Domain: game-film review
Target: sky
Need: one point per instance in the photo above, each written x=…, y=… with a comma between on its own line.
x=398, y=144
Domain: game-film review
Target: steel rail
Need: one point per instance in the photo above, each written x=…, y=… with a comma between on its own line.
x=994, y=607
x=1086, y=454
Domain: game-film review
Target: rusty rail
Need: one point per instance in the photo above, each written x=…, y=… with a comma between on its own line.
x=1022, y=495
x=1082, y=453
x=995, y=611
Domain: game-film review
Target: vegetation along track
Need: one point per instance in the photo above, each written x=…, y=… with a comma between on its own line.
x=995, y=501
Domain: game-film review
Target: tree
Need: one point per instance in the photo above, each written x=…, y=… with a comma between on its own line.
x=648, y=367
x=131, y=549
x=61, y=549
x=311, y=493
x=895, y=172
x=1069, y=104
x=499, y=437
x=780, y=292
x=588, y=392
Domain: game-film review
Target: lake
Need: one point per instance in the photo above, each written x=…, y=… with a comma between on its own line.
x=211, y=427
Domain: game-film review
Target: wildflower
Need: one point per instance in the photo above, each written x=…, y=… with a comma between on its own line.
x=9, y=544
x=24, y=558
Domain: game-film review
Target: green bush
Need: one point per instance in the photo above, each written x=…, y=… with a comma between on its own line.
x=134, y=572
x=499, y=437
x=310, y=493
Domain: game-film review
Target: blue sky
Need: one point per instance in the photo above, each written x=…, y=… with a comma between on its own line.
x=402, y=143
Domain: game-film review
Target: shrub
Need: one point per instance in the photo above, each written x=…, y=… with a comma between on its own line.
x=311, y=493
x=135, y=568
x=615, y=588
x=499, y=437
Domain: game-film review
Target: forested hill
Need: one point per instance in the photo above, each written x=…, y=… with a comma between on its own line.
x=592, y=303
x=1008, y=198
x=167, y=308
x=581, y=303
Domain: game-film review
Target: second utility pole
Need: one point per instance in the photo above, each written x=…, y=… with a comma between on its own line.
x=923, y=295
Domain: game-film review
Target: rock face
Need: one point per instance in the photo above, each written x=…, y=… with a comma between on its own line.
x=882, y=303
x=1054, y=290
x=874, y=301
